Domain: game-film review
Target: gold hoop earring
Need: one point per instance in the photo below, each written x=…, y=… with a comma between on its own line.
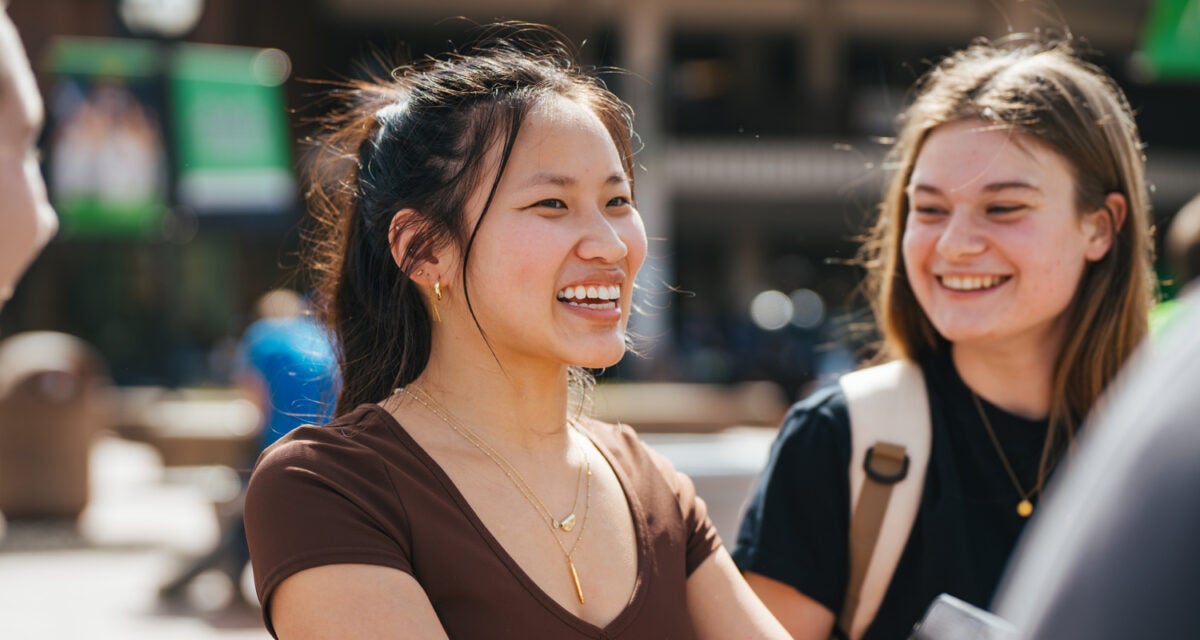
x=437, y=294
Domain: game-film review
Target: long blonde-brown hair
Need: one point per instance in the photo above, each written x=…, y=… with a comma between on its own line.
x=1044, y=92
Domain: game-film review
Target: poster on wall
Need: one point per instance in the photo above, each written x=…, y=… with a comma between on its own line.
x=106, y=164
x=232, y=141
x=139, y=128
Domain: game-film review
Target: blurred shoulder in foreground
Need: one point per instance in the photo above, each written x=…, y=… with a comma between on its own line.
x=1113, y=553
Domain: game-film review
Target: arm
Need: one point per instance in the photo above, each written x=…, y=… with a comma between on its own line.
x=803, y=617
x=793, y=543
x=352, y=601
x=723, y=607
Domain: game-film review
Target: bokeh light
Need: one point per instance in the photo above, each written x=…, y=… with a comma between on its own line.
x=771, y=310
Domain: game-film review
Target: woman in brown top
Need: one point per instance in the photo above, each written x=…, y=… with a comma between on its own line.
x=480, y=247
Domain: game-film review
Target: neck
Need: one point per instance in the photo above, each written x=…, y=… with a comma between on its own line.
x=523, y=404
x=1018, y=381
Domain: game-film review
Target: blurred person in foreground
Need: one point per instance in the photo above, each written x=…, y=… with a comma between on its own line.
x=483, y=247
x=27, y=221
x=1010, y=264
x=287, y=367
x=1114, y=553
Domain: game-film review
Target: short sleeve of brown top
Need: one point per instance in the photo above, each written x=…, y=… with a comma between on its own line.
x=361, y=490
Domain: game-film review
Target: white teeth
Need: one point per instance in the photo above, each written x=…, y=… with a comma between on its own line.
x=602, y=305
x=971, y=283
x=577, y=294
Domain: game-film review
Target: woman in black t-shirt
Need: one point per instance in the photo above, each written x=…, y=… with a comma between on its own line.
x=1011, y=262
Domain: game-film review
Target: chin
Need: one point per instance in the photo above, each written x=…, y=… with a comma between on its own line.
x=599, y=358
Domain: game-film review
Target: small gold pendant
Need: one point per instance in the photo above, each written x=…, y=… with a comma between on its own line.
x=575, y=578
x=566, y=524
x=1024, y=508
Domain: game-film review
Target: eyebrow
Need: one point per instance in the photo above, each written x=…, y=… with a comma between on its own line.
x=988, y=188
x=561, y=180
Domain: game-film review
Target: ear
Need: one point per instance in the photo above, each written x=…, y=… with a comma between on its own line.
x=1102, y=226
x=402, y=234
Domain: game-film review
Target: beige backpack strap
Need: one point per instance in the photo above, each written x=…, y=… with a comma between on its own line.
x=890, y=436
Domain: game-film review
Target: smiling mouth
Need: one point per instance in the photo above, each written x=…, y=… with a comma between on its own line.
x=591, y=296
x=972, y=283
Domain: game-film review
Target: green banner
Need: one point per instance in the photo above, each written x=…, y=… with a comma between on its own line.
x=231, y=134
x=1171, y=42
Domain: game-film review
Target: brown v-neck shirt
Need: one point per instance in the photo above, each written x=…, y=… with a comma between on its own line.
x=361, y=490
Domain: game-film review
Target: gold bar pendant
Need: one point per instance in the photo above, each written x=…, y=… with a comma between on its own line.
x=575, y=577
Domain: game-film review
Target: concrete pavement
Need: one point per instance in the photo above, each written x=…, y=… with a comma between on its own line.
x=100, y=580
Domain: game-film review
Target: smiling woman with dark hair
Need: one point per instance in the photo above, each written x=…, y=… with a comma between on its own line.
x=479, y=249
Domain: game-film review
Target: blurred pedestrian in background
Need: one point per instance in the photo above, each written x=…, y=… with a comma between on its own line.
x=1010, y=266
x=1182, y=244
x=26, y=219
x=483, y=246
x=288, y=367
x=1181, y=247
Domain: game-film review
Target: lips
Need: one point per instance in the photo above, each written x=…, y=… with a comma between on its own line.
x=972, y=282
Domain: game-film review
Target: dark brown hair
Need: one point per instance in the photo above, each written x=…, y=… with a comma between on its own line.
x=1044, y=92
x=422, y=139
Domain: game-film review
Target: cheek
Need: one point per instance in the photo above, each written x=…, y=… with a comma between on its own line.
x=633, y=234
x=914, y=246
x=1060, y=278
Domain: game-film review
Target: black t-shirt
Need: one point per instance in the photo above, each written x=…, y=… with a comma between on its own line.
x=796, y=527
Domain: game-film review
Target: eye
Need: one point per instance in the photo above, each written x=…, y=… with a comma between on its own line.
x=619, y=201
x=1003, y=209
x=929, y=210
x=550, y=203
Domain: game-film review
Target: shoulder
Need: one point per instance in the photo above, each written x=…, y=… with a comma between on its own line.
x=346, y=452
x=621, y=443
x=352, y=434
x=641, y=463
x=819, y=421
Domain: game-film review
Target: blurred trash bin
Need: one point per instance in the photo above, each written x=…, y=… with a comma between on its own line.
x=53, y=399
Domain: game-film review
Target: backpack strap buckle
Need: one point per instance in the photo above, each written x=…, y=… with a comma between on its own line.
x=886, y=463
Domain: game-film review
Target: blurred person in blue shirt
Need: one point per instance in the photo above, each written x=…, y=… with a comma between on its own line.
x=286, y=364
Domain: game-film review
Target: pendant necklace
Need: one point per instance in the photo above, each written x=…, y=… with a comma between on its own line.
x=555, y=525
x=1025, y=506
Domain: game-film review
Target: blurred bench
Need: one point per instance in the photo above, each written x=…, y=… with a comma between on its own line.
x=673, y=407
x=192, y=427
x=719, y=435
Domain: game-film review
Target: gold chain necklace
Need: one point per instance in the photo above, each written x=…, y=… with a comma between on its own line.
x=1024, y=507
x=514, y=476
x=566, y=524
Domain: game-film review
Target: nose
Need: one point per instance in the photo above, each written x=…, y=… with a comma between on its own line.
x=961, y=237
x=602, y=239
